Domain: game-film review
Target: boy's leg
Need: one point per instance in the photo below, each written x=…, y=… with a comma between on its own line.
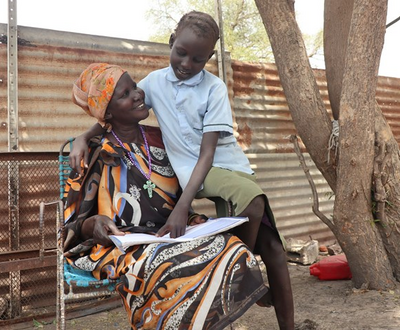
x=246, y=197
x=249, y=200
x=248, y=232
x=269, y=246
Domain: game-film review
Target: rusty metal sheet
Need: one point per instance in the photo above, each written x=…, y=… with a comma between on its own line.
x=50, y=62
x=262, y=114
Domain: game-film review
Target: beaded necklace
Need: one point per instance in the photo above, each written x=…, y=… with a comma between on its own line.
x=149, y=186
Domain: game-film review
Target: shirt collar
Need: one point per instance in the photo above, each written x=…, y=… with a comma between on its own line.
x=195, y=80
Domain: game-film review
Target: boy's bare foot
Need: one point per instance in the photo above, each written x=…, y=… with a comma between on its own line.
x=266, y=300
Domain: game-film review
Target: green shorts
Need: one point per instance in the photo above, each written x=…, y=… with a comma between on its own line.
x=238, y=187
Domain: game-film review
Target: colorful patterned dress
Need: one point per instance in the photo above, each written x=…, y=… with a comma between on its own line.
x=203, y=284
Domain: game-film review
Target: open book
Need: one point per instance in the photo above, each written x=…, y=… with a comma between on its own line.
x=208, y=228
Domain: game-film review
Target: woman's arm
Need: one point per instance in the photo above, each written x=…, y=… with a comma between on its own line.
x=80, y=150
x=176, y=223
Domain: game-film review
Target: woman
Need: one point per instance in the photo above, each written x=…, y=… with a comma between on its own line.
x=130, y=185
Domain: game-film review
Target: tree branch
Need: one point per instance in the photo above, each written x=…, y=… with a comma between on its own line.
x=315, y=207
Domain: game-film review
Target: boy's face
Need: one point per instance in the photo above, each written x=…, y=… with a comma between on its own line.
x=189, y=53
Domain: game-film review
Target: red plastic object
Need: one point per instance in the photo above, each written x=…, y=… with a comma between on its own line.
x=332, y=268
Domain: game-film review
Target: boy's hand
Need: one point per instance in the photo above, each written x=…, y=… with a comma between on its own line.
x=176, y=224
x=79, y=153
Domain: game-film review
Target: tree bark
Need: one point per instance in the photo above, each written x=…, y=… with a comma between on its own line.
x=386, y=189
x=353, y=102
x=337, y=18
x=308, y=112
x=386, y=175
x=353, y=206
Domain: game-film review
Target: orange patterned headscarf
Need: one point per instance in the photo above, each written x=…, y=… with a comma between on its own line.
x=94, y=89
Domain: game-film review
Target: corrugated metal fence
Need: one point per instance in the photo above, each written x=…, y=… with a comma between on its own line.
x=48, y=64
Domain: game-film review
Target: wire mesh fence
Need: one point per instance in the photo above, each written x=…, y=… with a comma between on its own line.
x=28, y=269
x=27, y=252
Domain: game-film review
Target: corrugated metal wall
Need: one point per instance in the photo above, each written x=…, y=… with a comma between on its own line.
x=50, y=61
x=48, y=64
x=264, y=126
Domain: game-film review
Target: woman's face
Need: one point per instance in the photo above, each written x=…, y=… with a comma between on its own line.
x=127, y=103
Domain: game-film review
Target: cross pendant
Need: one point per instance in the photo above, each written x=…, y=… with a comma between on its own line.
x=149, y=186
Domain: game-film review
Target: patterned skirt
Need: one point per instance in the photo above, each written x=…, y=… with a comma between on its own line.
x=206, y=283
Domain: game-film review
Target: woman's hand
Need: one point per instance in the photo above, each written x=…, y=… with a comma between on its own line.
x=79, y=152
x=99, y=227
x=197, y=219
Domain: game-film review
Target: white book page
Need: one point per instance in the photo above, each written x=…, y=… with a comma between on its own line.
x=208, y=228
x=139, y=238
x=211, y=227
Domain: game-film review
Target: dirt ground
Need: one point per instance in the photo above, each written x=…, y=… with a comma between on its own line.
x=320, y=305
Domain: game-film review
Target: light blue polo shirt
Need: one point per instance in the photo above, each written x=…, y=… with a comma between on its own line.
x=187, y=109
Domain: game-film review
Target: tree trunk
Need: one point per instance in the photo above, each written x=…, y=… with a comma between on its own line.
x=355, y=107
x=387, y=189
x=297, y=78
x=353, y=207
x=337, y=39
x=337, y=18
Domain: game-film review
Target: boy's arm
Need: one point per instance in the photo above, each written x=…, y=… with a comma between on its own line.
x=177, y=221
x=80, y=150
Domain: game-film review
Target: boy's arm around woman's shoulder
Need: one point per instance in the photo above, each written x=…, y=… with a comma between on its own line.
x=80, y=149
